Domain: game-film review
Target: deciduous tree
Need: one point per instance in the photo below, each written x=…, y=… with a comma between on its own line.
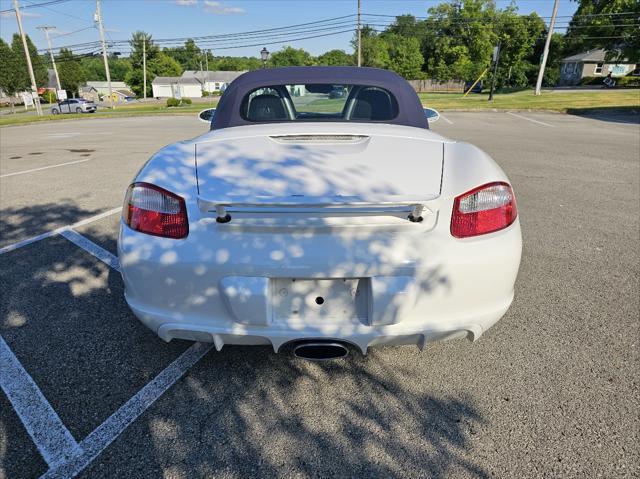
x=70, y=70
x=404, y=55
x=610, y=24
x=335, y=57
x=38, y=64
x=289, y=57
x=10, y=82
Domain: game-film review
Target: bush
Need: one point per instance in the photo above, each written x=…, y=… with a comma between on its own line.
x=172, y=102
x=592, y=80
x=49, y=96
x=205, y=93
x=628, y=81
x=185, y=101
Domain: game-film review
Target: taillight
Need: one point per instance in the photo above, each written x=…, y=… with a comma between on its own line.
x=483, y=210
x=155, y=211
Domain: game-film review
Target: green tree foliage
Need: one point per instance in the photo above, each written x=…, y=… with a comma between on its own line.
x=163, y=65
x=518, y=35
x=408, y=26
x=189, y=56
x=138, y=39
x=94, y=68
x=460, y=39
x=335, y=58
x=235, y=63
x=49, y=96
x=72, y=75
x=594, y=18
x=374, y=51
x=289, y=57
x=404, y=55
x=10, y=80
x=158, y=63
x=38, y=63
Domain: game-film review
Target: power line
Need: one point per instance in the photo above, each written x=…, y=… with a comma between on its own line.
x=559, y=16
x=35, y=5
x=73, y=32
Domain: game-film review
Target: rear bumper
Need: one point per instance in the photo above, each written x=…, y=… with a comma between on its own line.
x=424, y=285
x=169, y=327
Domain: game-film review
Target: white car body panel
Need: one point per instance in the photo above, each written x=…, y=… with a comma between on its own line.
x=386, y=280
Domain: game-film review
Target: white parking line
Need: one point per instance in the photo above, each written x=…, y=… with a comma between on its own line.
x=44, y=168
x=54, y=136
x=51, y=437
x=108, y=431
x=530, y=119
x=446, y=119
x=92, y=248
x=56, y=231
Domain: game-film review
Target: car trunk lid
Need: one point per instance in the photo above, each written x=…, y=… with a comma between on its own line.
x=354, y=171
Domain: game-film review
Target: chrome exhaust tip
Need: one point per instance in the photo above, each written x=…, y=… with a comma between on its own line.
x=320, y=351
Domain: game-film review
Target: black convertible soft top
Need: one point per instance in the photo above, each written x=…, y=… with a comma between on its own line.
x=410, y=111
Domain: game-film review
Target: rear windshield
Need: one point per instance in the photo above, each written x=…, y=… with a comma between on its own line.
x=319, y=102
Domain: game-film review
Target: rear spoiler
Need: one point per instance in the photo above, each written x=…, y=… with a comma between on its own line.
x=339, y=204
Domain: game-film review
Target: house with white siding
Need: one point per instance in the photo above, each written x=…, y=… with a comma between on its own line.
x=192, y=83
x=213, y=81
x=593, y=63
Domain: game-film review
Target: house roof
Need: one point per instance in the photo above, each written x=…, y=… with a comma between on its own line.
x=165, y=80
x=591, y=56
x=104, y=84
x=213, y=76
x=174, y=80
x=87, y=89
x=125, y=92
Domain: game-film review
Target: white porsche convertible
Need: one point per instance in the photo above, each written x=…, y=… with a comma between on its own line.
x=320, y=215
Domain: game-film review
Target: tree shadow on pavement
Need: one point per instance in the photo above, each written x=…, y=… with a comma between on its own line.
x=612, y=114
x=19, y=223
x=243, y=412
x=247, y=412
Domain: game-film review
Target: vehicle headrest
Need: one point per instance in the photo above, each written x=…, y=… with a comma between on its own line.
x=372, y=104
x=266, y=107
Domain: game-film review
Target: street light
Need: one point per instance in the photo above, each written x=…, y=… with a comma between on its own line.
x=264, y=54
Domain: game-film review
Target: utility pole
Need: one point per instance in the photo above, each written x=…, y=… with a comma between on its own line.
x=359, y=38
x=206, y=65
x=45, y=29
x=34, y=88
x=545, y=53
x=496, y=58
x=144, y=66
x=104, y=51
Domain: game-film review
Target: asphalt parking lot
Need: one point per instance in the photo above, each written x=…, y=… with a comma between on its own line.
x=552, y=390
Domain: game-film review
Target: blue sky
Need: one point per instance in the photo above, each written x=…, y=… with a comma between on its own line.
x=186, y=18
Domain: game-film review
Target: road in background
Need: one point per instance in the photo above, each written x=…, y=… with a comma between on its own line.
x=551, y=390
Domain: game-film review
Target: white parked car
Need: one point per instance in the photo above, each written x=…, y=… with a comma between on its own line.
x=319, y=223
x=73, y=105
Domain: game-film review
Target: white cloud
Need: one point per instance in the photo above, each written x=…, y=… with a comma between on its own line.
x=218, y=8
x=186, y=2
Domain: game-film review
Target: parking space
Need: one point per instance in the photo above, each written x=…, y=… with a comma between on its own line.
x=42, y=200
x=551, y=390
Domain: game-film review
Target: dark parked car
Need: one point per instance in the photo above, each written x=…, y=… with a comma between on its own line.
x=337, y=92
x=477, y=88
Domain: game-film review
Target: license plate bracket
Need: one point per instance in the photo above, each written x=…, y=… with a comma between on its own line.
x=341, y=300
